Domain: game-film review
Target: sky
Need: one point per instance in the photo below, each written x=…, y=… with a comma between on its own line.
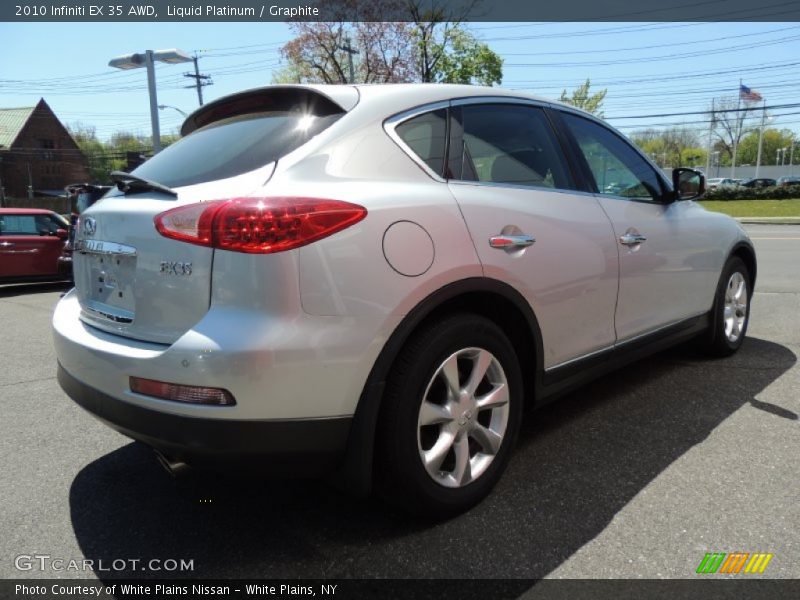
x=647, y=68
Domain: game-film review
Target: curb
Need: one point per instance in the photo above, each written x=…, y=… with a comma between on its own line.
x=769, y=220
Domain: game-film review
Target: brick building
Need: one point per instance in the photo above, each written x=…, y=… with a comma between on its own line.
x=37, y=150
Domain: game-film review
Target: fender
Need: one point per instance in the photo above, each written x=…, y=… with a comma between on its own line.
x=355, y=473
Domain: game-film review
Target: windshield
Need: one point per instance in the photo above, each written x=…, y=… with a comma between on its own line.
x=232, y=146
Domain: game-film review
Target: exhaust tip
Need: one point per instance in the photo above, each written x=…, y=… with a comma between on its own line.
x=173, y=466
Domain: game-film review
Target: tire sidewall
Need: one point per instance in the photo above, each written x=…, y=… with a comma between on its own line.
x=466, y=332
x=720, y=340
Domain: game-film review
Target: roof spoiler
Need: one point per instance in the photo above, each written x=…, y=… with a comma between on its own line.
x=318, y=100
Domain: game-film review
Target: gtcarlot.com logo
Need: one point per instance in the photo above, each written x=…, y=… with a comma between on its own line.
x=45, y=562
x=734, y=563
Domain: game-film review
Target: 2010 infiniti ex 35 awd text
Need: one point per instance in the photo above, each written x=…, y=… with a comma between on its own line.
x=369, y=282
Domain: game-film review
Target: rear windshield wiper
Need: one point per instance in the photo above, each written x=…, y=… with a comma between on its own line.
x=126, y=182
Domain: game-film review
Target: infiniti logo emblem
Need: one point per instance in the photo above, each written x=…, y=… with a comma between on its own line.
x=89, y=226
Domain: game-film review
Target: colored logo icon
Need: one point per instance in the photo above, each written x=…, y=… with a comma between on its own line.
x=735, y=563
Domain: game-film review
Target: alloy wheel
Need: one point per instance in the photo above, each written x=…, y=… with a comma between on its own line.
x=463, y=417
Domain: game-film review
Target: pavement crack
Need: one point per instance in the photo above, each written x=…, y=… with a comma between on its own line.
x=5, y=385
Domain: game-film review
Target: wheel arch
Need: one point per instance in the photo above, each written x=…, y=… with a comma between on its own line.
x=747, y=253
x=488, y=297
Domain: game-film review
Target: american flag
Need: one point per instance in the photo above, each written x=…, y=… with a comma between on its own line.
x=748, y=95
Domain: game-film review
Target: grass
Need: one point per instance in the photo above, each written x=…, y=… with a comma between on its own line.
x=755, y=208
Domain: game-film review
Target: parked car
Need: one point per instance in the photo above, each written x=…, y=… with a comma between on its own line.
x=788, y=180
x=716, y=182
x=760, y=182
x=369, y=282
x=31, y=240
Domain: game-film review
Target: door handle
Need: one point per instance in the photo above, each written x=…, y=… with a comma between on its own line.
x=509, y=242
x=631, y=239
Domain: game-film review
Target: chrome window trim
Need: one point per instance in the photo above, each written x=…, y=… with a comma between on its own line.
x=499, y=100
x=517, y=186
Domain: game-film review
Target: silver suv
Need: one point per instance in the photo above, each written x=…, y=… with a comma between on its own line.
x=369, y=282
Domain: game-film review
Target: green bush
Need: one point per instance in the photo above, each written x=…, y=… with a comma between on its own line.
x=765, y=193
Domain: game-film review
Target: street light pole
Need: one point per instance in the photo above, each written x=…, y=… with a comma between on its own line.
x=147, y=60
x=151, y=88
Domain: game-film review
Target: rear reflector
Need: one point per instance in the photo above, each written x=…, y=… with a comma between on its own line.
x=258, y=225
x=181, y=393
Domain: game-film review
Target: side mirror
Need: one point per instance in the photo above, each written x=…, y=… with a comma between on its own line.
x=688, y=184
x=62, y=234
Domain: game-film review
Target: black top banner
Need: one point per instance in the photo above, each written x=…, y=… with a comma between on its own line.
x=398, y=10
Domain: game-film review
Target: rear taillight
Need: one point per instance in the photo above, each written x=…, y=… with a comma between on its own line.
x=258, y=225
x=181, y=393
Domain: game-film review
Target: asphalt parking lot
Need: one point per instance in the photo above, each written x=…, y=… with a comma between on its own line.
x=637, y=475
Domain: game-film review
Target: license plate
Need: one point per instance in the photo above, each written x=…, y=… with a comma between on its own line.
x=110, y=281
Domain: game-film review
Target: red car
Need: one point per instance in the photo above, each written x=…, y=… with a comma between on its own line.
x=31, y=241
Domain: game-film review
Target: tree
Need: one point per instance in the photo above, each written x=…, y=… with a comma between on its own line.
x=774, y=139
x=446, y=51
x=672, y=147
x=462, y=59
x=111, y=155
x=581, y=98
x=729, y=125
x=317, y=53
x=429, y=48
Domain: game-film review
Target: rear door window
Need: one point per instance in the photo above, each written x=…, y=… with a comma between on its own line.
x=233, y=146
x=506, y=143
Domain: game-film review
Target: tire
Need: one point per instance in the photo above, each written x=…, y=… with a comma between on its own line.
x=731, y=312
x=441, y=451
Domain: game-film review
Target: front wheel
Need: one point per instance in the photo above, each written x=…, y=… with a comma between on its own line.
x=731, y=311
x=450, y=416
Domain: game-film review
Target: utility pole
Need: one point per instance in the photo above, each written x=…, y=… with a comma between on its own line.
x=710, y=136
x=200, y=80
x=350, y=52
x=738, y=130
x=30, y=182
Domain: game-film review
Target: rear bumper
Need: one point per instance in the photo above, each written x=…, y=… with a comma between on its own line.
x=302, y=446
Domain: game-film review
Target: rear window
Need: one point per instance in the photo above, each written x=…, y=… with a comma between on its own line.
x=233, y=146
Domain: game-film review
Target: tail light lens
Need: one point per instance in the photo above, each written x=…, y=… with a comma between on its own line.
x=181, y=393
x=258, y=225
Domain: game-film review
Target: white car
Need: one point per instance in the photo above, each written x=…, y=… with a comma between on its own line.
x=369, y=282
x=716, y=182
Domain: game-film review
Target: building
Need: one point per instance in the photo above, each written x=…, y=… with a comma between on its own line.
x=37, y=154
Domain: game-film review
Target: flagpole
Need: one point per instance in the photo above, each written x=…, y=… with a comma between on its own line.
x=710, y=135
x=761, y=135
x=738, y=130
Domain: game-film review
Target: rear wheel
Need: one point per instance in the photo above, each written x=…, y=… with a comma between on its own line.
x=450, y=416
x=731, y=311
